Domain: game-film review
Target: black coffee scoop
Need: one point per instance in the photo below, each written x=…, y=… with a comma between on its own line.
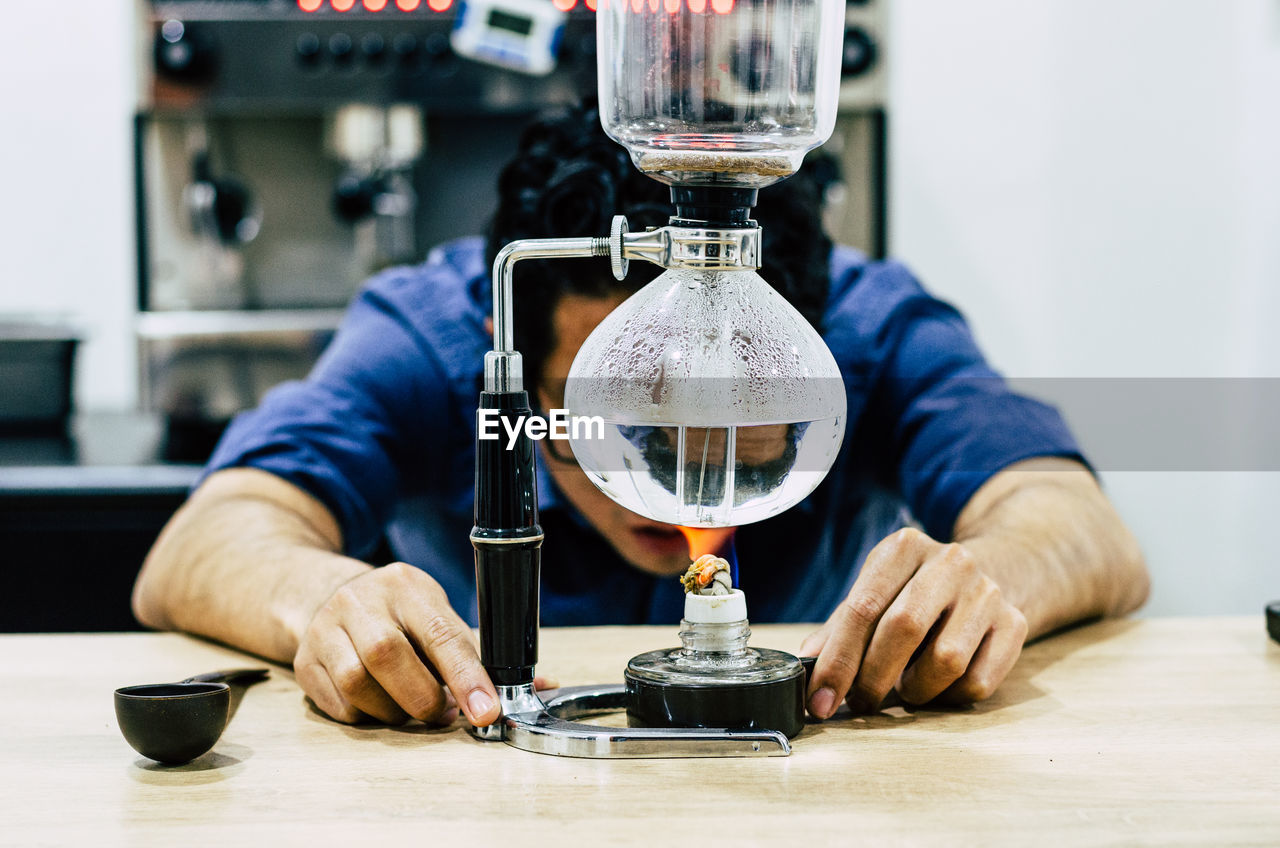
x=173, y=723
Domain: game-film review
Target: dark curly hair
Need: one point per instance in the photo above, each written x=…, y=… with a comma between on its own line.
x=569, y=179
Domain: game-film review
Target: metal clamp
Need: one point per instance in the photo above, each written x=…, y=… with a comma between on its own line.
x=672, y=246
x=531, y=724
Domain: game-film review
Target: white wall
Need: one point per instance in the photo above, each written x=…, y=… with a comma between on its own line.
x=1097, y=184
x=67, y=95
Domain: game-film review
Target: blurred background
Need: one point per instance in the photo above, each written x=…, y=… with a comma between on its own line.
x=195, y=188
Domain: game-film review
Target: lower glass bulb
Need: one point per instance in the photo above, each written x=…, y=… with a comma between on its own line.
x=721, y=404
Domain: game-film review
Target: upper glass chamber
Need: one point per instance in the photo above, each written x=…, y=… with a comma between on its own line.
x=719, y=92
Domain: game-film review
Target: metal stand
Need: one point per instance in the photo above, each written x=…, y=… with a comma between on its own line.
x=507, y=537
x=531, y=724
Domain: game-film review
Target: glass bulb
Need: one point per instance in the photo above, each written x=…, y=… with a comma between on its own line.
x=721, y=404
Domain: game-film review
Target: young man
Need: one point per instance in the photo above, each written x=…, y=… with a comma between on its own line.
x=958, y=520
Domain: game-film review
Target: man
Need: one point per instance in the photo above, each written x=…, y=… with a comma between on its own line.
x=1004, y=534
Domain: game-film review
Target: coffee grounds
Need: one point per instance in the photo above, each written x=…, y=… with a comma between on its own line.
x=717, y=163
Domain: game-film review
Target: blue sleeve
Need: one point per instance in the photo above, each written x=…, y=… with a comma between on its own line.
x=356, y=425
x=938, y=420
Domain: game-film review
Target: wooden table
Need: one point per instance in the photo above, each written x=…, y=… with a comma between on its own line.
x=1160, y=731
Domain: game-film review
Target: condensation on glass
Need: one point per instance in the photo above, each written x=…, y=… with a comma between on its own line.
x=722, y=405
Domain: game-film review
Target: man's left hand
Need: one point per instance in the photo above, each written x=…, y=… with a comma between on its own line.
x=923, y=618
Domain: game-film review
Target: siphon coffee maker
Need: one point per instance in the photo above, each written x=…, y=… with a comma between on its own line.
x=717, y=403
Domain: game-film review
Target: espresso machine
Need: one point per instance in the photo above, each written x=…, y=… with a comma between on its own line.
x=718, y=404
x=288, y=149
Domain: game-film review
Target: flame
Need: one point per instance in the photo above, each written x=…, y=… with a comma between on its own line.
x=705, y=541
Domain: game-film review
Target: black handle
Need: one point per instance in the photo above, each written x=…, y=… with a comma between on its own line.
x=507, y=539
x=233, y=675
x=507, y=597
x=808, y=664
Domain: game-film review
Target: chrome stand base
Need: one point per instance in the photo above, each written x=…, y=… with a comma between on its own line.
x=548, y=727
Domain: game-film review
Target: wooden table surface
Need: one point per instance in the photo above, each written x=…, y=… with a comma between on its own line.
x=1160, y=732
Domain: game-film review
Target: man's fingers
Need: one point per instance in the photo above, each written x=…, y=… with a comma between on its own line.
x=325, y=695
x=992, y=662
x=384, y=645
x=950, y=651
x=921, y=616
x=908, y=622
x=888, y=568
x=395, y=667
x=445, y=640
x=315, y=682
x=841, y=655
x=448, y=714
x=355, y=684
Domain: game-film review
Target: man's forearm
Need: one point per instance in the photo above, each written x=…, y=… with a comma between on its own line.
x=247, y=561
x=1051, y=540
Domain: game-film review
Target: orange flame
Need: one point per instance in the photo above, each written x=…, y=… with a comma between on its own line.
x=703, y=540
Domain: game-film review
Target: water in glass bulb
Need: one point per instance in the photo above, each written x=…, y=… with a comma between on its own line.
x=722, y=405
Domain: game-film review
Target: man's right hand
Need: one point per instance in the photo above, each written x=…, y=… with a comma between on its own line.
x=385, y=645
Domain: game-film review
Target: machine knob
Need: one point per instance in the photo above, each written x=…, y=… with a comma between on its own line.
x=405, y=46
x=373, y=47
x=436, y=46
x=308, y=49
x=408, y=52
x=617, y=237
x=183, y=52
x=859, y=52
x=440, y=57
x=340, y=47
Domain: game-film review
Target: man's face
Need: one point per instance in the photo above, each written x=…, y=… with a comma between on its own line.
x=650, y=546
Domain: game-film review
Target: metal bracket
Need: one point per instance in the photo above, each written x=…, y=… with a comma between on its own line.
x=672, y=246
x=531, y=724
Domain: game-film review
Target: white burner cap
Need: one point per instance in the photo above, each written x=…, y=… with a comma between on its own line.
x=715, y=609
